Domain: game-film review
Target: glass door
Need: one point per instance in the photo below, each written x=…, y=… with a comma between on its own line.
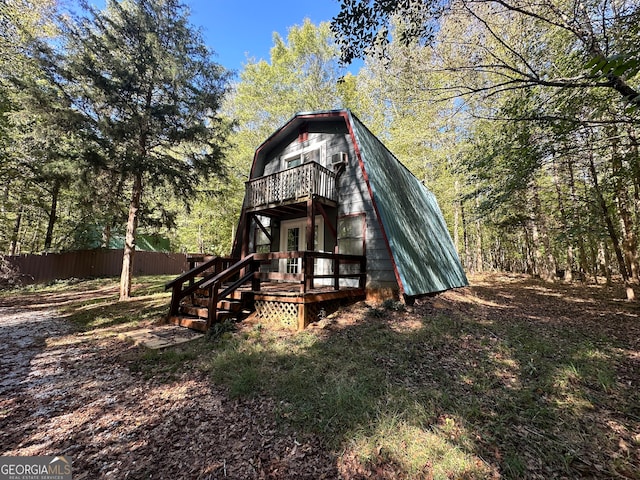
x=293, y=265
x=293, y=239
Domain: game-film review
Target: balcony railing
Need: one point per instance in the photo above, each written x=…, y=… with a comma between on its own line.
x=292, y=184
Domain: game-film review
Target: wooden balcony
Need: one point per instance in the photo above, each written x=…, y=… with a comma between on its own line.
x=291, y=185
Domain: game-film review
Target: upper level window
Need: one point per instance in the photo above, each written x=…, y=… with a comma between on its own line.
x=312, y=153
x=294, y=161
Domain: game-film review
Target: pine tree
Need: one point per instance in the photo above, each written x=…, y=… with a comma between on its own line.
x=149, y=93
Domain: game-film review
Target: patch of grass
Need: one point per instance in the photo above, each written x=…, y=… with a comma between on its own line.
x=167, y=364
x=443, y=396
x=108, y=311
x=362, y=386
x=93, y=303
x=418, y=452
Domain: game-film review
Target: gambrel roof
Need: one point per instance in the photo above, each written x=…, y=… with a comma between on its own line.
x=422, y=251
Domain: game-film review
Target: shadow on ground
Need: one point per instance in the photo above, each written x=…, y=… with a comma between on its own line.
x=510, y=377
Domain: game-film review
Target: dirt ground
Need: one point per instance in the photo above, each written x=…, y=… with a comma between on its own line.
x=78, y=394
x=75, y=394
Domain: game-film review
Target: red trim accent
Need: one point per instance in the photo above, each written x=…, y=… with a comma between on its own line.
x=373, y=201
x=303, y=133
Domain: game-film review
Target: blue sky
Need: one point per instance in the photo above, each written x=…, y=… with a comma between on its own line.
x=236, y=29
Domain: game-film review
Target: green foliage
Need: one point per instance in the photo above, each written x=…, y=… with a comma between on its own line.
x=130, y=90
x=9, y=276
x=301, y=75
x=219, y=329
x=150, y=92
x=393, y=305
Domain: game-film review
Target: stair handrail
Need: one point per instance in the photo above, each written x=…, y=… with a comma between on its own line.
x=228, y=272
x=190, y=274
x=179, y=293
x=213, y=284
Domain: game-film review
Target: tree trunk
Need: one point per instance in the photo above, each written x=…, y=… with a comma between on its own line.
x=634, y=160
x=611, y=229
x=605, y=262
x=130, y=238
x=106, y=236
x=478, y=262
x=530, y=237
x=465, y=239
x=546, y=261
x=53, y=215
x=593, y=253
x=200, y=240
x=568, y=273
x=16, y=232
x=629, y=241
x=577, y=224
x=456, y=215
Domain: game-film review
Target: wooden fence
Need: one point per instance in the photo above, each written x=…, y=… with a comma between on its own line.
x=94, y=263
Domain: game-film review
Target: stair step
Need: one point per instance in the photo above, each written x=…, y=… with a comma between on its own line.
x=189, y=322
x=201, y=301
x=226, y=304
x=224, y=314
x=195, y=311
x=232, y=305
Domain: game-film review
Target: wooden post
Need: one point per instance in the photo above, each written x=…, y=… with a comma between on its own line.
x=310, y=247
x=307, y=273
x=175, y=300
x=245, y=235
x=255, y=281
x=302, y=321
x=213, y=305
x=311, y=224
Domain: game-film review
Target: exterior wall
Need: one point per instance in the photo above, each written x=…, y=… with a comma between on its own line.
x=354, y=198
x=330, y=136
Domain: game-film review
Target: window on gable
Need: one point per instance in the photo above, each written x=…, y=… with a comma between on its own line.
x=294, y=161
x=312, y=153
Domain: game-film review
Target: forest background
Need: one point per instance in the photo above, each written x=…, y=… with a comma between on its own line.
x=522, y=118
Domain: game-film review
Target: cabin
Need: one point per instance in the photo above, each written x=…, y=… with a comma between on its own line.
x=329, y=216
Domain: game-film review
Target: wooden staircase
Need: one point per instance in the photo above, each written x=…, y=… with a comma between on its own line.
x=216, y=295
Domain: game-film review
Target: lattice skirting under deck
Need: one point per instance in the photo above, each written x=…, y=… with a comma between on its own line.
x=294, y=315
x=277, y=313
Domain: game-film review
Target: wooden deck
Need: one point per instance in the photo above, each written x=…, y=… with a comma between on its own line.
x=219, y=288
x=289, y=291
x=284, y=304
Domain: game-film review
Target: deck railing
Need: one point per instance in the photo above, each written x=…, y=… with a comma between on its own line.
x=218, y=272
x=307, y=276
x=298, y=182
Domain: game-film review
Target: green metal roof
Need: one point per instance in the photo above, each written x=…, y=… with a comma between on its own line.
x=424, y=256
